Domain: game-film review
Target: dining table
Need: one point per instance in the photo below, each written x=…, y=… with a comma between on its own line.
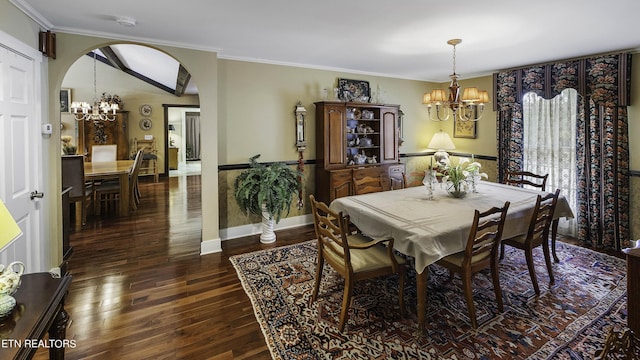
x=119, y=169
x=429, y=228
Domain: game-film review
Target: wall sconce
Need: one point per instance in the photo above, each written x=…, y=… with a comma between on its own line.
x=301, y=144
x=301, y=114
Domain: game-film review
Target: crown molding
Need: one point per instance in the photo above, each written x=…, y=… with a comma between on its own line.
x=32, y=13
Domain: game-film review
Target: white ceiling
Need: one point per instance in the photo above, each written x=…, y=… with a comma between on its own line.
x=403, y=39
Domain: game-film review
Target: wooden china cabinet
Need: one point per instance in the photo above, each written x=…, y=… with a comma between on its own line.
x=353, y=140
x=104, y=133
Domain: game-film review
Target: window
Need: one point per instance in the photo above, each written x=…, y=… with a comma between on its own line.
x=549, y=143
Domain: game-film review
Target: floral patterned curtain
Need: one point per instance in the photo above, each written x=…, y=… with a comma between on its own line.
x=602, y=140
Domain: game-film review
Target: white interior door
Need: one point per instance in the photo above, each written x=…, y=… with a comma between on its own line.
x=20, y=163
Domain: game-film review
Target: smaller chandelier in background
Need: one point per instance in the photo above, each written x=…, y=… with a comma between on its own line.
x=100, y=110
x=469, y=107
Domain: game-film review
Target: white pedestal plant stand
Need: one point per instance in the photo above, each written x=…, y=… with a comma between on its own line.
x=267, y=236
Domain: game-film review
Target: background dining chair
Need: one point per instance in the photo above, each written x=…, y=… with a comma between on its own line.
x=526, y=178
x=108, y=192
x=619, y=345
x=537, y=235
x=368, y=184
x=73, y=176
x=414, y=178
x=353, y=255
x=101, y=153
x=481, y=252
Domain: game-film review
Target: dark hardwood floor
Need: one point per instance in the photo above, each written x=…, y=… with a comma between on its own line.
x=141, y=290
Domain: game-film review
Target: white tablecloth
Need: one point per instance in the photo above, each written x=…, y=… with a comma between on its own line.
x=429, y=230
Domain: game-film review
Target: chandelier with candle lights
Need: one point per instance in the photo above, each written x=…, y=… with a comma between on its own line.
x=100, y=110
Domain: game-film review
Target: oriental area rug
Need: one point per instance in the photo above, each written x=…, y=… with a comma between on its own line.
x=570, y=320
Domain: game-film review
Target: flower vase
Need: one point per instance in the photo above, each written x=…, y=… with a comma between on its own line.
x=267, y=236
x=474, y=177
x=429, y=179
x=457, y=190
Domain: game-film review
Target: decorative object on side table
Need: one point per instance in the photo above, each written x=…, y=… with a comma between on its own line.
x=456, y=175
x=9, y=277
x=67, y=147
x=266, y=191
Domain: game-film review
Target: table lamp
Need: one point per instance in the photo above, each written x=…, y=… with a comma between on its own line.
x=9, y=231
x=172, y=128
x=441, y=142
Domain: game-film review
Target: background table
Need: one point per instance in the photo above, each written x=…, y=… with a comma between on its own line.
x=119, y=169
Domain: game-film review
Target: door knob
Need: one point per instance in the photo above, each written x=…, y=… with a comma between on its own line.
x=36, y=194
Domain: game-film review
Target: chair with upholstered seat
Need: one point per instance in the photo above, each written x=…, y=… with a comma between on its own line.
x=537, y=235
x=353, y=255
x=101, y=153
x=481, y=252
x=368, y=184
x=520, y=178
x=108, y=192
x=73, y=176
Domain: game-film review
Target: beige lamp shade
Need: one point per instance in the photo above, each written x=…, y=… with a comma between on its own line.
x=470, y=94
x=441, y=141
x=438, y=95
x=9, y=230
x=484, y=97
x=426, y=98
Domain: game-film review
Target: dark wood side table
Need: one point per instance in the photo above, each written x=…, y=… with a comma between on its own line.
x=633, y=288
x=39, y=309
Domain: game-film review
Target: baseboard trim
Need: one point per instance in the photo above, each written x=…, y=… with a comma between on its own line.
x=253, y=229
x=211, y=246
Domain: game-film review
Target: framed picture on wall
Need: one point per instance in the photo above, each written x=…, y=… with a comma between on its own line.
x=353, y=90
x=464, y=129
x=65, y=100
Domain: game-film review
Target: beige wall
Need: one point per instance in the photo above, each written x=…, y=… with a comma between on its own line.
x=15, y=23
x=257, y=103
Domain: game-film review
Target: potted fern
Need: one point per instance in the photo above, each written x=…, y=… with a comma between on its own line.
x=266, y=191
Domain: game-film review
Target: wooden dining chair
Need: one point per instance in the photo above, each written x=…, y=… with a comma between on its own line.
x=537, y=235
x=619, y=345
x=520, y=178
x=73, y=176
x=414, y=178
x=481, y=252
x=368, y=184
x=354, y=256
x=108, y=192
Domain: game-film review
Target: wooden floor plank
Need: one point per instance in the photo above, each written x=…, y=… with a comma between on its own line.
x=141, y=289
